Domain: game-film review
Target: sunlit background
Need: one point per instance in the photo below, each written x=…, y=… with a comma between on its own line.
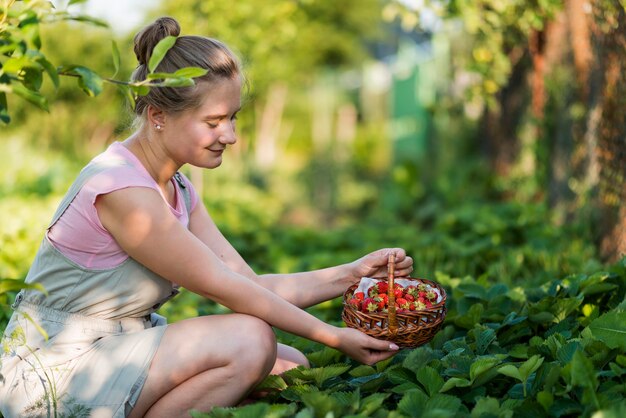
x=485, y=137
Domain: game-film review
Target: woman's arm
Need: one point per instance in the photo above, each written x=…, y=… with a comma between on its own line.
x=144, y=227
x=301, y=289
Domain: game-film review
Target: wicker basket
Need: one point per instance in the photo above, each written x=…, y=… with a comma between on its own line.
x=408, y=329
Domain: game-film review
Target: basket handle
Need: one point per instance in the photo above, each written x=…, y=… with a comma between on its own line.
x=391, y=308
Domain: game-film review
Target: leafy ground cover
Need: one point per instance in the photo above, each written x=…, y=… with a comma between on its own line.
x=556, y=350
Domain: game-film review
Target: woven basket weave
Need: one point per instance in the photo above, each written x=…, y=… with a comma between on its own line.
x=408, y=329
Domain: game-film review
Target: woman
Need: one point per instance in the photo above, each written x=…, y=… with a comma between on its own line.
x=130, y=231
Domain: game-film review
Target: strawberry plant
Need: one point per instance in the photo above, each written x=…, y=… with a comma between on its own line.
x=557, y=350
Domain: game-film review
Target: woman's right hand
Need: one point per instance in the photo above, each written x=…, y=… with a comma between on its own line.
x=363, y=348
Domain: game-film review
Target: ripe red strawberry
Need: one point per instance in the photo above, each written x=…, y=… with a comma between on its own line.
x=381, y=303
x=409, y=297
x=384, y=297
x=372, y=291
x=399, y=293
x=422, y=294
x=359, y=295
x=402, y=303
x=369, y=305
x=382, y=287
x=411, y=290
x=356, y=303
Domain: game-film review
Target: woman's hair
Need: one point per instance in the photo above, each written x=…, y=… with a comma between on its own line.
x=188, y=51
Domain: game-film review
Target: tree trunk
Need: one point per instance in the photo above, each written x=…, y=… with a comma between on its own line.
x=499, y=126
x=612, y=138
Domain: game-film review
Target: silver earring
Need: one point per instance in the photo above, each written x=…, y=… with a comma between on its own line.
x=157, y=126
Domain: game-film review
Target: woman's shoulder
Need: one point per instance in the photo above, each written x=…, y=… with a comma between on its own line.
x=115, y=168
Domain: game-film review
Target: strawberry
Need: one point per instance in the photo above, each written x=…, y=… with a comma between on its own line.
x=384, y=297
x=382, y=287
x=381, y=303
x=422, y=294
x=369, y=305
x=355, y=303
x=431, y=295
x=399, y=293
x=409, y=297
x=419, y=305
x=411, y=290
x=402, y=303
x=372, y=291
x=359, y=295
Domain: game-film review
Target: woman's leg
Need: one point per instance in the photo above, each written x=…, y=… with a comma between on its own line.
x=288, y=358
x=205, y=362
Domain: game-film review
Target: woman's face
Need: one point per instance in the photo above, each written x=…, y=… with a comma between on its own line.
x=200, y=136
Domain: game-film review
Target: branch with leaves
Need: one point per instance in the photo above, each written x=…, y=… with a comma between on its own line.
x=23, y=65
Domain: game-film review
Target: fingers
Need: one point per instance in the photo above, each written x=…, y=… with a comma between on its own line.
x=404, y=267
x=381, y=350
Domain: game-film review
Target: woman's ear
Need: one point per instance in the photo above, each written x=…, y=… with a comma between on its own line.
x=156, y=117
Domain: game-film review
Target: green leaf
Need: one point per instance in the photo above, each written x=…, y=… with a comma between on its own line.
x=30, y=96
x=413, y=403
x=610, y=328
x=583, y=373
x=140, y=90
x=418, y=358
x=190, y=72
x=362, y=370
x=318, y=374
x=7, y=285
x=4, y=113
x=455, y=382
x=485, y=407
x=178, y=82
x=442, y=405
x=76, y=2
x=484, y=339
x=372, y=403
x=565, y=353
x=294, y=393
x=323, y=403
x=351, y=400
x=511, y=371
x=50, y=70
x=530, y=366
x=115, y=55
x=430, y=379
x=272, y=382
x=324, y=357
x=159, y=52
x=127, y=91
x=88, y=80
x=482, y=365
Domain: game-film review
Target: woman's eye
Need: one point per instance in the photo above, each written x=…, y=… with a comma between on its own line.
x=212, y=124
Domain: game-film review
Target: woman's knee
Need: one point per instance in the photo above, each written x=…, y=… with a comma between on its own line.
x=257, y=343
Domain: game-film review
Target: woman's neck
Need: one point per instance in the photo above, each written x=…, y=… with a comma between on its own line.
x=152, y=157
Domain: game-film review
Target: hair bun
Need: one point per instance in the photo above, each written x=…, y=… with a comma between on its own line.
x=148, y=37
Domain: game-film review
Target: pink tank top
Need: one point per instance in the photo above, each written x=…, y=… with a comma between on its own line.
x=80, y=236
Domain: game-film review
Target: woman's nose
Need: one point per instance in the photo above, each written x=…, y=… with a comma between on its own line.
x=229, y=136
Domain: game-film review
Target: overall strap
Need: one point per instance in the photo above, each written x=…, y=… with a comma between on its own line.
x=85, y=174
x=183, y=188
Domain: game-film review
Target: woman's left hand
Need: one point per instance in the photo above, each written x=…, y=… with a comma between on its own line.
x=375, y=264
